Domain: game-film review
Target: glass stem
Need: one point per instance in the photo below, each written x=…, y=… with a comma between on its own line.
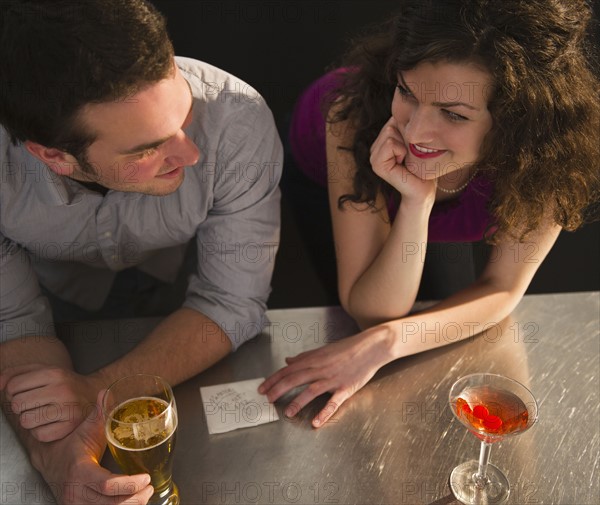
x=484, y=456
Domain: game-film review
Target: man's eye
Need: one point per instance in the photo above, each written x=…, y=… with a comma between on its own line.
x=147, y=152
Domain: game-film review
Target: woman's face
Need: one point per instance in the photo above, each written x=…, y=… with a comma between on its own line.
x=441, y=111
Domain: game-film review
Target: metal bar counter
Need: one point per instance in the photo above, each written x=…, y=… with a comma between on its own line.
x=395, y=441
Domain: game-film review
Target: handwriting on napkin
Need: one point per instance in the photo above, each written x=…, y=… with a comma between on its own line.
x=236, y=405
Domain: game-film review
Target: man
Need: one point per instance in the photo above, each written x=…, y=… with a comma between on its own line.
x=115, y=157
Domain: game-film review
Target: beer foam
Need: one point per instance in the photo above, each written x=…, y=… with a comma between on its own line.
x=141, y=427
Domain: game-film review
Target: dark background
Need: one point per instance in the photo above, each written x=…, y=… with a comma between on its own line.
x=279, y=47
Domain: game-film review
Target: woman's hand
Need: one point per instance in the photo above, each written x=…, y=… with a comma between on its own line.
x=388, y=154
x=341, y=368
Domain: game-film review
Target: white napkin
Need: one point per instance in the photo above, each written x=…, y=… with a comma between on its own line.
x=236, y=405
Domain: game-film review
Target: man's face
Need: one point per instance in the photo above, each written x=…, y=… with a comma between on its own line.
x=140, y=144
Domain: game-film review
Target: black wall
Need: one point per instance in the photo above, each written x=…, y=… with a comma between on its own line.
x=279, y=47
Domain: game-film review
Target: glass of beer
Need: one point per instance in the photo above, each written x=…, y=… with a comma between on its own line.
x=140, y=423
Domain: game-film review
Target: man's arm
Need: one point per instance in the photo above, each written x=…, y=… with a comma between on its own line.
x=236, y=245
x=37, y=379
x=181, y=346
x=31, y=356
x=70, y=465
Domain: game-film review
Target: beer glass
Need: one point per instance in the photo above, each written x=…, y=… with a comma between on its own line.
x=140, y=423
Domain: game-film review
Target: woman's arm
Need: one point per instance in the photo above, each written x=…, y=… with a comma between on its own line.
x=343, y=367
x=379, y=264
x=486, y=302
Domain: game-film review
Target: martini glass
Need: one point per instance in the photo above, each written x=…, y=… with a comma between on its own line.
x=492, y=407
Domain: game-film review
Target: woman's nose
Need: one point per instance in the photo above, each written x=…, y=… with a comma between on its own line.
x=420, y=127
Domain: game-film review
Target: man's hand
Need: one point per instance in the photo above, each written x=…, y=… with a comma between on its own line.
x=50, y=401
x=71, y=468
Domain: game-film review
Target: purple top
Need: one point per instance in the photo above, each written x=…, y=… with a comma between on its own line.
x=461, y=219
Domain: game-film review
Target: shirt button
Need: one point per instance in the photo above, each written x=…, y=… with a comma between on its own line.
x=107, y=234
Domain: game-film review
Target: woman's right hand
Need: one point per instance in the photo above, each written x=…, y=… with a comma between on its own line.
x=388, y=154
x=341, y=368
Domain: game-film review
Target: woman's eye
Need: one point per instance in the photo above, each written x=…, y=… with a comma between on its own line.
x=403, y=91
x=453, y=116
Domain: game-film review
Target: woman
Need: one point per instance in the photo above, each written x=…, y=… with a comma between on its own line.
x=461, y=120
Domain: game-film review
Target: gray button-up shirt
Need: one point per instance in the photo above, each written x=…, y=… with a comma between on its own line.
x=72, y=240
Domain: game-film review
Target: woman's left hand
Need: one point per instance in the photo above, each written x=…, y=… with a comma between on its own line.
x=340, y=368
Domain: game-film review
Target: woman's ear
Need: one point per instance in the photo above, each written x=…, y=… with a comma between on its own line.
x=60, y=162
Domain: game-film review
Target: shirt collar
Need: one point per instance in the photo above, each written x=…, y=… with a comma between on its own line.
x=60, y=190
x=57, y=190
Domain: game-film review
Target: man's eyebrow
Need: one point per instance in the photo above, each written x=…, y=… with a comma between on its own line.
x=439, y=104
x=143, y=147
x=151, y=145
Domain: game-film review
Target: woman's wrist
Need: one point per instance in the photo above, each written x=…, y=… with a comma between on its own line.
x=394, y=334
x=417, y=206
x=387, y=337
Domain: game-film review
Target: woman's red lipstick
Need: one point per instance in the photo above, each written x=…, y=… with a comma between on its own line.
x=424, y=152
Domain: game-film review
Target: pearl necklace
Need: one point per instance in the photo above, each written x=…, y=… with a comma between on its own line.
x=460, y=188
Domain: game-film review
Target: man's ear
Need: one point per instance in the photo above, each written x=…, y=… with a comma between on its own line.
x=58, y=161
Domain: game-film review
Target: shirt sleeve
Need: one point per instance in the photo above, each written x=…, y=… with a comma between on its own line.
x=23, y=308
x=238, y=241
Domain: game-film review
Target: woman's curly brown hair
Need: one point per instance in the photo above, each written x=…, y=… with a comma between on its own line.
x=543, y=151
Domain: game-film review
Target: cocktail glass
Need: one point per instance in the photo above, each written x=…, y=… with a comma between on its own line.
x=140, y=424
x=492, y=407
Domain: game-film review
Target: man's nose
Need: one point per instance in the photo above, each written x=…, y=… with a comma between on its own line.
x=184, y=152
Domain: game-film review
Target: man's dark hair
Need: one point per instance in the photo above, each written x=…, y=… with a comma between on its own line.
x=58, y=55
